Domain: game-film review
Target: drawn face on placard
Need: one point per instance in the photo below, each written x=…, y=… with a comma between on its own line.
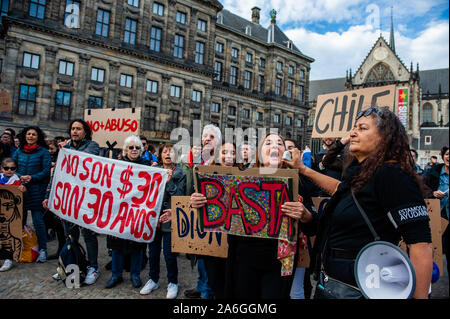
x=227, y=154
x=272, y=151
x=8, y=207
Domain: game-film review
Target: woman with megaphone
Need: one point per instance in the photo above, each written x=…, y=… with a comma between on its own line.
x=381, y=194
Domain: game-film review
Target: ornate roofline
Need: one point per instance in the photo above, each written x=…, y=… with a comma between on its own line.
x=8, y=20
x=373, y=47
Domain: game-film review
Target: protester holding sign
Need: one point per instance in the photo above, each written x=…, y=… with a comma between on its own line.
x=215, y=266
x=34, y=164
x=253, y=267
x=387, y=187
x=81, y=140
x=176, y=186
x=211, y=140
x=132, y=152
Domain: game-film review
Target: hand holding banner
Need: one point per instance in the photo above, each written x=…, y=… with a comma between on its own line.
x=118, y=198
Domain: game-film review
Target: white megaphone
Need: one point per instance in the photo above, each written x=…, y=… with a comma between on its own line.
x=384, y=271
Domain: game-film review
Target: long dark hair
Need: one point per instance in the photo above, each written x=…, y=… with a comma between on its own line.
x=41, y=136
x=258, y=162
x=393, y=147
x=87, y=128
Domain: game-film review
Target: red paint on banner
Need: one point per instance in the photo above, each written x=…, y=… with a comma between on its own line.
x=114, y=125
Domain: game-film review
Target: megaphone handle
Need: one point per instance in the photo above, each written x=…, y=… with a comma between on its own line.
x=366, y=219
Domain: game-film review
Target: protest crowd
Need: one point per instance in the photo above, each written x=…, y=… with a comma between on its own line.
x=372, y=167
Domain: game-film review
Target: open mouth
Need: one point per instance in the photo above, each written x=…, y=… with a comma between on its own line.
x=274, y=154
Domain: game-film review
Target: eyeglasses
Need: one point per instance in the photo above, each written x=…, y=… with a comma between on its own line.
x=369, y=111
x=8, y=168
x=134, y=147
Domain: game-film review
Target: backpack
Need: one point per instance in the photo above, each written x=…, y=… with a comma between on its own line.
x=72, y=253
x=30, y=246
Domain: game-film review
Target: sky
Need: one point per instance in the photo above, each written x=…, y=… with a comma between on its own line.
x=339, y=34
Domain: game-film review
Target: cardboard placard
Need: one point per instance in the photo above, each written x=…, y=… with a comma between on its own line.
x=247, y=203
x=112, y=197
x=110, y=127
x=336, y=112
x=11, y=202
x=5, y=101
x=187, y=236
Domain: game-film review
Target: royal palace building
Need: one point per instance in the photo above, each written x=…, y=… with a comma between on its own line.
x=176, y=60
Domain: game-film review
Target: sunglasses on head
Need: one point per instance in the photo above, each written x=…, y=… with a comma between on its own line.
x=9, y=168
x=134, y=147
x=369, y=111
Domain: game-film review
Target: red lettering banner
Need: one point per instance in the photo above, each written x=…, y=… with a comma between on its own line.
x=107, y=196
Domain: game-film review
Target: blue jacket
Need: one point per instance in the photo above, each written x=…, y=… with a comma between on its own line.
x=37, y=164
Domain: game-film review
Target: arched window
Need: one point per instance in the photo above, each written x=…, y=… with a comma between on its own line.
x=427, y=113
x=248, y=30
x=380, y=73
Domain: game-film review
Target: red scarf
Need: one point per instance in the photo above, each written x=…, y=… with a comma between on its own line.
x=29, y=149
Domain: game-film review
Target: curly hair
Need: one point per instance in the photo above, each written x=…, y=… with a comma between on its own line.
x=41, y=136
x=393, y=147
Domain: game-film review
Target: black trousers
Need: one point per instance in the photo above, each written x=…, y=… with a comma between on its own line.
x=217, y=274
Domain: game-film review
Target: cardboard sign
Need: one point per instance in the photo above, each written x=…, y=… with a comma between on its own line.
x=434, y=211
x=5, y=101
x=247, y=204
x=436, y=225
x=11, y=202
x=112, y=197
x=187, y=236
x=336, y=112
x=110, y=127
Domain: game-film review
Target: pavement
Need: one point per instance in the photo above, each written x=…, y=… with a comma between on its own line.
x=34, y=281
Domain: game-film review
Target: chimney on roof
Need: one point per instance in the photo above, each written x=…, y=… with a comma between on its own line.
x=255, y=15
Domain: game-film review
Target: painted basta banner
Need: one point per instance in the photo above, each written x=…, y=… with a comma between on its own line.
x=112, y=197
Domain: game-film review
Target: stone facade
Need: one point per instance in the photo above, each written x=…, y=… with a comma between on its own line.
x=62, y=57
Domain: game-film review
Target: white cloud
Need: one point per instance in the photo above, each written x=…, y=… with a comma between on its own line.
x=335, y=53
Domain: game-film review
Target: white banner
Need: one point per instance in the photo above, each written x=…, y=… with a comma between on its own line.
x=112, y=197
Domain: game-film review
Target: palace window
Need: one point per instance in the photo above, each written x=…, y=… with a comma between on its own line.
x=65, y=67
x=102, y=23
x=27, y=99
x=155, y=39
x=37, y=8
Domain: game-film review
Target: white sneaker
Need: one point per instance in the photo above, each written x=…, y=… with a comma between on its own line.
x=7, y=265
x=172, y=291
x=92, y=276
x=56, y=276
x=149, y=287
x=42, y=258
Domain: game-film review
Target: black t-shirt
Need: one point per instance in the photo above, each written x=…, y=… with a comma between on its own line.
x=391, y=197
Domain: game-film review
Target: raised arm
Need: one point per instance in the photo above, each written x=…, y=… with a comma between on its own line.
x=325, y=182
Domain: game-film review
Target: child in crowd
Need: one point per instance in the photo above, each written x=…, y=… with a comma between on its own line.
x=8, y=177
